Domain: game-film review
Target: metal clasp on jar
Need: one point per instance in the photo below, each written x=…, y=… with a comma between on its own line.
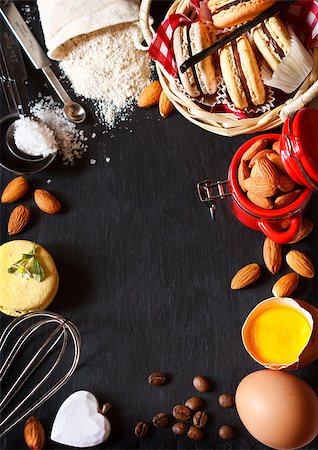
x=209, y=192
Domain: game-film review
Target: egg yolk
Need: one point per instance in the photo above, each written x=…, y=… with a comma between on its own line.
x=279, y=335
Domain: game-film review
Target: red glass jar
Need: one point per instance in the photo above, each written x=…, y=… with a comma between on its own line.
x=299, y=153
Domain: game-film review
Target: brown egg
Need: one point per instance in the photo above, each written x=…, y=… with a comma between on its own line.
x=278, y=409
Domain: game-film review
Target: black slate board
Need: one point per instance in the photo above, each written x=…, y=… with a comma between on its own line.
x=145, y=274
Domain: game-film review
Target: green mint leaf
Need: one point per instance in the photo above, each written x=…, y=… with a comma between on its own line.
x=37, y=270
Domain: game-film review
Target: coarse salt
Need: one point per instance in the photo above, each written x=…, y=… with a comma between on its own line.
x=34, y=138
x=70, y=139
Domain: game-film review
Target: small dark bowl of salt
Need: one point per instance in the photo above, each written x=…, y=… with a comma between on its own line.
x=9, y=160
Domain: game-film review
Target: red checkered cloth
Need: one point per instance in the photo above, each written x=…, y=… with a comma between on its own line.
x=302, y=15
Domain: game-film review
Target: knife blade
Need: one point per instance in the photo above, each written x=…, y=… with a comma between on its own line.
x=14, y=75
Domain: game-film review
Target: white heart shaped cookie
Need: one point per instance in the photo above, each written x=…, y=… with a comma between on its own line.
x=78, y=422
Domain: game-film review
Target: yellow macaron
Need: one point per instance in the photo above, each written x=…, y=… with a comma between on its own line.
x=20, y=295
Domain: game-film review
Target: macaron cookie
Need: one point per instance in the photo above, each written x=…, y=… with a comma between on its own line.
x=241, y=74
x=272, y=40
x=228, y=13
x=187, y=41
x=19, y=295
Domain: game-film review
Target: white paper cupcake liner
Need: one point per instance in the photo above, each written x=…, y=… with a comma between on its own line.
x=293, y=69
x=208, y=100
x=268, y=105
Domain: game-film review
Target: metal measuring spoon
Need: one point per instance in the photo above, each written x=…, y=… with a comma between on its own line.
x=73, y=111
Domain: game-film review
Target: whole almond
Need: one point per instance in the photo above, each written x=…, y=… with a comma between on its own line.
x=254, y=171
x=272, y=254
x=165, y=105
x=46, y=201
x=243, y=173
x=15, y=190
x=261, y=154
x=267, y=170
x=259, y=186
x=262, y=202
x=258, y=145
x=150, y=95
x=276, y=147
x=286, y=199
x=286, y=285
x=286, y=184
x=34, y=434
x=276, y=159
x=246, y=276
x=18, y=219
x=305, y=230
x=300, y=263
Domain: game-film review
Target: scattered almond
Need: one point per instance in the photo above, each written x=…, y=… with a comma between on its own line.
x=286, y=184
x=286, y=199
x=150, y=95
x=165, y=105
x=305, y=230
x=46, y=201
x=34, y=434
x=276, y=159
x=259, y=145
x=243, y=173
x=276, y=147
x=286, y=285
x=300, y=263
x=262, y=202
x=246, y=276
x=267, y=170
x=259, y=186
x=15, y=190
x=18, y=219
x=261, y=154
x=272, y=254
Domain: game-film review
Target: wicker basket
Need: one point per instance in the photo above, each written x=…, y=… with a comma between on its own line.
x=226, y=124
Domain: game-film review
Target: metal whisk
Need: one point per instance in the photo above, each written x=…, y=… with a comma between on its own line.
x=56, y=340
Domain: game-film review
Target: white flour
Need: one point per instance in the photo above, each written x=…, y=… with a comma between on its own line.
x=106, y=66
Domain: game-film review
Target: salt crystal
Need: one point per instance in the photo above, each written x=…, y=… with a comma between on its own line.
x=93, y=135
x=92, y=161
x=107, y=159
x=49, y=181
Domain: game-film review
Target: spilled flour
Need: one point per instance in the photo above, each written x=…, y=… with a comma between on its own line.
x=106, y=66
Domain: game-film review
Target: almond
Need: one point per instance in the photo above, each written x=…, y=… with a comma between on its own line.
x=262, y=202
x=150, y=95
x=267, y=170
x=259, y=145
x=165, y=105
x=272, y=254
x=34, y=434
x=254, y=171
x=276, y=147
x=18, y=219
x=276, y=159
x=242, y=173
x=15, y=190
x=305, y=230
x=46, y=201
x=286, y=285
x=286, y=184
x=259, y=186
x=261, y=154
x=286, y=199
x=246, y=276
x=300, y=263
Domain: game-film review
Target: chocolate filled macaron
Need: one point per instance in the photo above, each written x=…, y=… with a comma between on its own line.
x=241, y=74
x=272, y=40
x=187, y=41
x=228, y=13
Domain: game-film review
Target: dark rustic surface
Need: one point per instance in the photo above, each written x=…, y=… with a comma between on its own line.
x=145, y=275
